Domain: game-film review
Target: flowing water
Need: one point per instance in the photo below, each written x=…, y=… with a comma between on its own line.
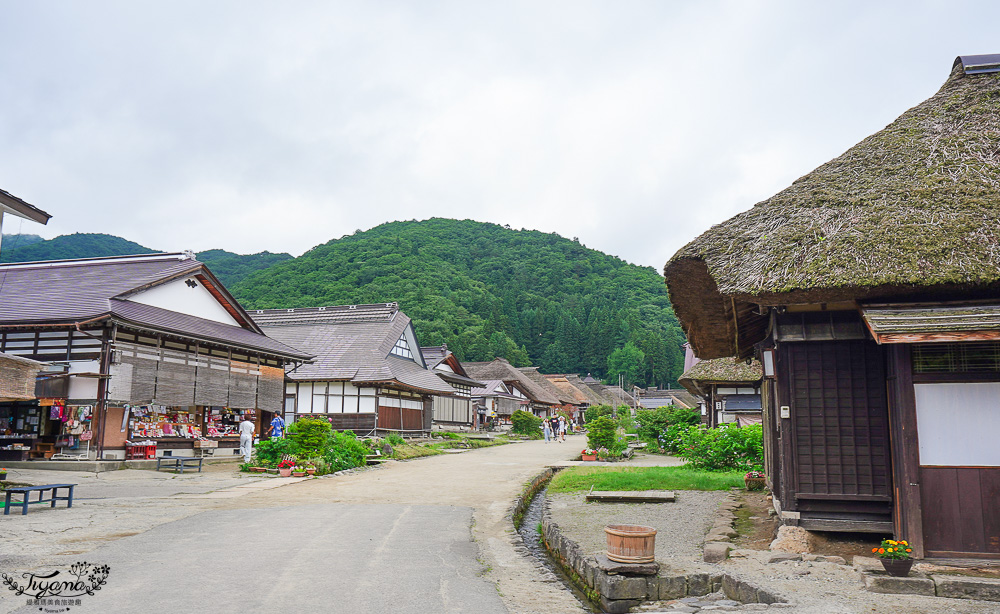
x=531, y=536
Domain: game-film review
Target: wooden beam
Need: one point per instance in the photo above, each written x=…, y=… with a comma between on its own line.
x=939, y=337
x=847, y=526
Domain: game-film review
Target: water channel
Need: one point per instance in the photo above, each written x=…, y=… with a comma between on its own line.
x=531, y=536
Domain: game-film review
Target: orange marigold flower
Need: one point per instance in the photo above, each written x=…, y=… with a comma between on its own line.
x=874, y=549
x=881, y=550
x=908, y=550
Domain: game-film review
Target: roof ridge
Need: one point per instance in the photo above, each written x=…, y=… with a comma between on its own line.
x=187, y=255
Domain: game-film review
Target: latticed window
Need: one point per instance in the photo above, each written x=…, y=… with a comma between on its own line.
x=402, y=348
x=971, y=357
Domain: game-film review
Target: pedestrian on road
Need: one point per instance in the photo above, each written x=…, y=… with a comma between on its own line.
x=554, y=425
x=277, y=429
x=246, y=438
x=562, y=428
x=546, y=430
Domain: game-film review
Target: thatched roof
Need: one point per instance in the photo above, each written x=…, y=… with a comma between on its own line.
x=501, y=369
x=720, y=371
x=911, y=211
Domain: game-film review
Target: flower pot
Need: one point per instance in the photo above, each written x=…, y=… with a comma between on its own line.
x=755, y=483
x=629, y=543
x=588, y=457
x=897, y=567
x=311, y=471
x=3, y=476
x=258, y=469
x=299, y=474
x=286, y=472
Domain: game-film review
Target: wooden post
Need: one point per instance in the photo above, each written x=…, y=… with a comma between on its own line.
x=907, y=512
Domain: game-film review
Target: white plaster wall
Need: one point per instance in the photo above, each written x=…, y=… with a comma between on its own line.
x=178, y=296
x=83, y=387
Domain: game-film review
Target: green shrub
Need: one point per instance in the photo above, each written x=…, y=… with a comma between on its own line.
x=269, y=452
x=344, y=451
x=727, y=448
x=660, y=427
x=525, y=423
x=595, y=412
x=310, y=435
x=602, y=433
x=394, y=439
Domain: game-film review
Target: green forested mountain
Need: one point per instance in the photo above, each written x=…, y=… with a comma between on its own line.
x=227, y=266
x=231, y=268
x=487, y=291
x=79, y=245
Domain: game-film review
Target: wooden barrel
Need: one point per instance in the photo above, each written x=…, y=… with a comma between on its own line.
x=631, y=543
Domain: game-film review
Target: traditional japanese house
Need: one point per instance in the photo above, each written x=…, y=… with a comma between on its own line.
x=538, y=399
x=870, y=289
x=495, y=402
x=368, y=375
x=729, y=389
x=148, y=347
x=456, y=410
x=653, y=398
x=567, y=402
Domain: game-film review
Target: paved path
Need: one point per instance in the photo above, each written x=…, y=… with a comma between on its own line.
x=429, y=535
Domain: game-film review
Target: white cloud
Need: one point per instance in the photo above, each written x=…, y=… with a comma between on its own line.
x=635, y=126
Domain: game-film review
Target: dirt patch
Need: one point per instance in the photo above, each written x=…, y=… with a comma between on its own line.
x=757, y=527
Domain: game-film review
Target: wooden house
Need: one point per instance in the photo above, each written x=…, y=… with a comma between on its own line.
x=653, y=398
x=729, y=389
x=538, y=398
x=148, y=347
x=495, y=402
x=870, y=290
x=453, y=410
x=368, y=375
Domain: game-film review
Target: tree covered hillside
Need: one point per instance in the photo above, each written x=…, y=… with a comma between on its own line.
x=488, y=291
x=227, y=266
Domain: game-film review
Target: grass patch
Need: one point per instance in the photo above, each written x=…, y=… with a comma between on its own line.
x=407, y=451
x=643, y=478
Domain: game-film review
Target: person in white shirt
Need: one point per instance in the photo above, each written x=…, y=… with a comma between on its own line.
x=246, y=438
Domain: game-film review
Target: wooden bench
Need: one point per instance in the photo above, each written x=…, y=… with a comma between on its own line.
x=26, y=491
x=178, y=462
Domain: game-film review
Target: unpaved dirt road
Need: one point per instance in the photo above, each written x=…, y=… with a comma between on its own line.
x=430, y=535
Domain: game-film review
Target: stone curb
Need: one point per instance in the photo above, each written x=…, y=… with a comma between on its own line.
x=933, y=585
x=722, y=531
x=618, y=592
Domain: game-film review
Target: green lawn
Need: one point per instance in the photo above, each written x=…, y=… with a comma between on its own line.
x=643, y=478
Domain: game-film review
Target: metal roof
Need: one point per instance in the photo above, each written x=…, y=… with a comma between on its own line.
x=978, y=64
x=15, y=206
x=64, y=292
x=350, y=344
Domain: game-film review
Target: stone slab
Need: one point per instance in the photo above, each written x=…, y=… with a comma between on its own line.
x=778, y=557
x=967, y=587
x=911, y=585
x=617, y=588
x=613, y=567
x=716, y=552
x=632, y=496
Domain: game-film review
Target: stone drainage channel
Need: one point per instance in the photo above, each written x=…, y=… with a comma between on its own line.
x=531, y=536
x=612, y=588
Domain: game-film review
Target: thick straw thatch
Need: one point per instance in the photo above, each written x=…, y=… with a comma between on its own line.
x=720, y=371
x=911, y=210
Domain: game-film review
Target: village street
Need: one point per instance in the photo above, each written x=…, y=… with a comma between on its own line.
x=430, y=535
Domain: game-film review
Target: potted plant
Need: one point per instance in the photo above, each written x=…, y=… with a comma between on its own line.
x=588, y=454
x=754, y=480
x=895, y=557
x=310, y=470
x=285, y=468
x=3, y=474
x=298, y=472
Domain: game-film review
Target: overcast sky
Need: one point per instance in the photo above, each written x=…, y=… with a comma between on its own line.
x=633, y=125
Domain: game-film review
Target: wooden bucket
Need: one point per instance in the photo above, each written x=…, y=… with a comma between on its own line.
x=630, y=543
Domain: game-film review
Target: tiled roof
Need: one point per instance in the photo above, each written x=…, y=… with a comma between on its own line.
x=164, y=320
x=350, y=343
x=67, y=291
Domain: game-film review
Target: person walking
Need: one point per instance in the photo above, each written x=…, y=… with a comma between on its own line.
x=246, y=437
x=562, y=428
x=546, y=430
x=554, y=425
x=277, y=429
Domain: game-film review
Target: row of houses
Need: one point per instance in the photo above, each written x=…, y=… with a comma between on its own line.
x=97, y=355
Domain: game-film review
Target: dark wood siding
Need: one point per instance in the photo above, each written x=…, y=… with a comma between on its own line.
x=837, y=391
x=960, y=514
x=400, y=419
x=361, y=424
